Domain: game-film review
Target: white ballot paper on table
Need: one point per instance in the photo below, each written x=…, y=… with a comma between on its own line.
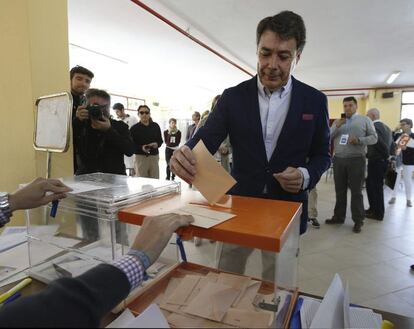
x=335, y=312
x=204, y=217
x=211, y=179
x=331, y=311
x=85, y=186
x=152, y=317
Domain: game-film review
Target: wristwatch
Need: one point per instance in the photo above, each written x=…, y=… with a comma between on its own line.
x=4, y=204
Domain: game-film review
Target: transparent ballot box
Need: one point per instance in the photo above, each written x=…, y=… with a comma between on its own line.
x=84, y=229
x=243, y=274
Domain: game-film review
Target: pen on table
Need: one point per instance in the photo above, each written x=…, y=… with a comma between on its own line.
x=15, y=289
x=12, y=298
x=53, y=211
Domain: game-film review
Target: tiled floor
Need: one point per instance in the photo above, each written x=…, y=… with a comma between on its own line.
x=376, y=262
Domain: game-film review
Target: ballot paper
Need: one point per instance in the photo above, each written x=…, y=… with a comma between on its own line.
x=308, y=310
x=331, y=311
x=81, y=187
x=183, y=290
x=247, y=319
x=152, y=317
x=123, y=320
x=204, y=217
x=335, y=312
x=213, y=301
x=211, y=179
x=358, y=317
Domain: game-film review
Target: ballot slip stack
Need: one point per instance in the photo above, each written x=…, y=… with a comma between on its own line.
x=82, y=230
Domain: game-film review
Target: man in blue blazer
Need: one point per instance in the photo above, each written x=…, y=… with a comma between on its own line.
x=278, y=126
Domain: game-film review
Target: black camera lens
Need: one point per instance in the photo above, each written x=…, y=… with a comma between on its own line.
x=95, y=111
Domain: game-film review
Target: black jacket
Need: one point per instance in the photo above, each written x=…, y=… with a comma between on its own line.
x=303, y=141
x=142, y=135
x=382, y=149
x=98, y=151
x=78, y=100
x=79, y=302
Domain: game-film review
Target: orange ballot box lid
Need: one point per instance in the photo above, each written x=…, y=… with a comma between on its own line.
x=259, y=223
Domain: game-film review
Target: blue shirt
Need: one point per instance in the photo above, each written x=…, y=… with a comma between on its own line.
x=274, y=107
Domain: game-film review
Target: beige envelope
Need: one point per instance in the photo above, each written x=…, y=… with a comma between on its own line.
x=212, y=276
x=200, y=285
x=213, y=301
x=246, y=300
x=172, y=285
x=235, y=281
x=246, y=319
x=211, y=179
x=183, y=290
x=189, y=321
x=173, y=308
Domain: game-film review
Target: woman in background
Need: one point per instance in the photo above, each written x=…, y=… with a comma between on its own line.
x=172, y=139
x=403, y=132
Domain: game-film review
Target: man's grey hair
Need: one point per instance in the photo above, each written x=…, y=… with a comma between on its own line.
x=374, y=112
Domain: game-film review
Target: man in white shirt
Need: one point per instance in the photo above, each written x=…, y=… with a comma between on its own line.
x=278, y=129
x=130, y=120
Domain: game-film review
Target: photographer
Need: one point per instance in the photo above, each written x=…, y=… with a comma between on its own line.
x=100, y=142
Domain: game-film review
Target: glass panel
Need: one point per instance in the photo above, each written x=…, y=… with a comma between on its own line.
x=408, y=97
x=407, y=111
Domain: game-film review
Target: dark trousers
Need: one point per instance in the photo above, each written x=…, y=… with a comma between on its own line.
x=375, y=186
x=349, y=173
x=168, y=154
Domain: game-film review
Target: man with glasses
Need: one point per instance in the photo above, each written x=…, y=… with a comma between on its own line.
x=147, y=138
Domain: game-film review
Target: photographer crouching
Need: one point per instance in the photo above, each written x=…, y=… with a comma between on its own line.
x=100, y=142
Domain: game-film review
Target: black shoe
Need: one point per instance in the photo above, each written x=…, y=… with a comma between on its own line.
x=314, y=222
x=373, y=216
x=334, y=220
x=369, y=212
x=357, y=227
x=412, y=267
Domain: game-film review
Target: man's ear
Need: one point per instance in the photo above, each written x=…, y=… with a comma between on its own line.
x=298, y=57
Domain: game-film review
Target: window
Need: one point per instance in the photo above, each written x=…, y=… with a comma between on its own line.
x=130, y=104
x=407, y=106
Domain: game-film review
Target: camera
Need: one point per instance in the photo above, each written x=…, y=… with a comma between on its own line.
x=96, y=111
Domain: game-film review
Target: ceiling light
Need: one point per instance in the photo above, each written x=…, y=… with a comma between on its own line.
x=392, y=77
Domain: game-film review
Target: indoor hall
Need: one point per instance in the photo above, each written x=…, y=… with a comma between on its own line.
x=175, y=56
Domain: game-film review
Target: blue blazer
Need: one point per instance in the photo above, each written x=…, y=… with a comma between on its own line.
x=303, y=141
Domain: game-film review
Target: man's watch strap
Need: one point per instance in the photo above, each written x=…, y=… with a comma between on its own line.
x=5, y=212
